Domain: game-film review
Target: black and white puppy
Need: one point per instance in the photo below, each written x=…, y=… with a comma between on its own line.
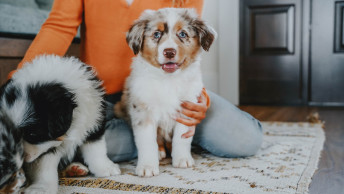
x=50, y=108
x=165, y=72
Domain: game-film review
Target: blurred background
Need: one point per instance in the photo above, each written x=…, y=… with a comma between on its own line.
x=277, y=52
x=268, y=52
x=288, y=53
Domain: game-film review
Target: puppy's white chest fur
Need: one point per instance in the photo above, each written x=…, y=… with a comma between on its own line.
x=155, y=96
x=165, y=73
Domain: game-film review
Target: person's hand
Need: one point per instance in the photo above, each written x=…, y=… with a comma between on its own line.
x=196, y=113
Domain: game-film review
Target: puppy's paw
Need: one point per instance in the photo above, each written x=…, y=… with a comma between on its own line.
x=39, y=189
x=75, y=169
x=147, y=170
x=183, y=162
x=105, y=169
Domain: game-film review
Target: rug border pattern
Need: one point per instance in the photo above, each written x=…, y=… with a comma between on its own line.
x=103, y=183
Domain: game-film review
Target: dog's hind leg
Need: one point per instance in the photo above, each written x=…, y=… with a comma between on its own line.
x=95, y=156
x=161, y=147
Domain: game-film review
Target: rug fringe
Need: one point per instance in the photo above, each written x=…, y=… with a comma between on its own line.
x=315, y=119
x=306, y=178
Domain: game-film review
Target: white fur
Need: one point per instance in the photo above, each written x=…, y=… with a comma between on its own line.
x=152, y=96
x=162, y=93
x=96, y=158
x=73, y=75
x=32, y=152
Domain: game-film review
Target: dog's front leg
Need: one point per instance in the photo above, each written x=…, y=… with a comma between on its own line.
x=147, y=149
x=42, y=173
x=181, y=148
x=94, y=154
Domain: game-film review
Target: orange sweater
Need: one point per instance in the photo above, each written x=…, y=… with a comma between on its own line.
x=103, y=31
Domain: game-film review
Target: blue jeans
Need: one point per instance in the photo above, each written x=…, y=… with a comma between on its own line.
x=226, y=132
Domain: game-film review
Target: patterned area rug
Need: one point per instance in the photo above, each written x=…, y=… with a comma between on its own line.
x=284, y=164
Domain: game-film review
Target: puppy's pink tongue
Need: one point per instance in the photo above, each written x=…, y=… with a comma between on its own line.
x=170, y=67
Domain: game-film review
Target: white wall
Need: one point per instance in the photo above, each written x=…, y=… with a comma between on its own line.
x=210, y=60
x=220, y=66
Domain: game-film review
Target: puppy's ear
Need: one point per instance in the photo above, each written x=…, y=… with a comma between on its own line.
x=206, y=33
x=135, y=35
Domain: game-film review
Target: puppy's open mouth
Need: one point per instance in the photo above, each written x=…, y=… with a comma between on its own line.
x=170, y=67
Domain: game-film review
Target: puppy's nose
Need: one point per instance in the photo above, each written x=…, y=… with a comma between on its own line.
x=170, y=53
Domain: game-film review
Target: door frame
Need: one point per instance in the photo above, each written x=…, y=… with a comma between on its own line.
x=228, y=38
x=305, y=55
x=305, y=50
x=309, y=8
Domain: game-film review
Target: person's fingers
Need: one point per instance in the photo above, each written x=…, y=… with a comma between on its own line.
x=189, y=133
x=193, y=114
x=202, y=99
x=198, y=107
x=188, y=122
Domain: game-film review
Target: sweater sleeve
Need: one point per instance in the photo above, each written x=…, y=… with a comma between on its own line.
x=204, y=92
x=58, y=31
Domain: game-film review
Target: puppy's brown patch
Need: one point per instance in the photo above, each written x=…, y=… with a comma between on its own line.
x=61, y=138
x=189, y=47
x=120, y=108
x=11, y=186
x=162, y=27
x=150, y=54
x=164, y=144
x=178, y=26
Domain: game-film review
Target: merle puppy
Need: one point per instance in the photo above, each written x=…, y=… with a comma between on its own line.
x=166, y=72
x=11, y=154
x=49, y=109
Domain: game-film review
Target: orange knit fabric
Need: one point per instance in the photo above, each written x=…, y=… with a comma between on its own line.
x=103, y=31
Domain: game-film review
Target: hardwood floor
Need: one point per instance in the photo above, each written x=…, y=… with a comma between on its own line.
x=329, y=178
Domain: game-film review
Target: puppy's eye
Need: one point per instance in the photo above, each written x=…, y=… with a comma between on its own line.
x=182, y=34
x=157, y=35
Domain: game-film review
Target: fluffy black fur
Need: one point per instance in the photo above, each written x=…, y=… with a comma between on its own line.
x=48, y=115
x=52, y=106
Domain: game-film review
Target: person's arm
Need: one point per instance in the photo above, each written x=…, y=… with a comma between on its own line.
x=58, y=30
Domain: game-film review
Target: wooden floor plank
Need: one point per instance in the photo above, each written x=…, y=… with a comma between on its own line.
x=329, y=178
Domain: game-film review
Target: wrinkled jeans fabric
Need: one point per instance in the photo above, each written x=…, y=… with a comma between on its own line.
x=226, y=132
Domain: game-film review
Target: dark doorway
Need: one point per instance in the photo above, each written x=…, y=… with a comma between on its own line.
x=327, y=53
x=291, y=52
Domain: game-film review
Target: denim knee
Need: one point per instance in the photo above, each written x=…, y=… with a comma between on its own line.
x=227, y=131
x=119, y=140
x=233, y=146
